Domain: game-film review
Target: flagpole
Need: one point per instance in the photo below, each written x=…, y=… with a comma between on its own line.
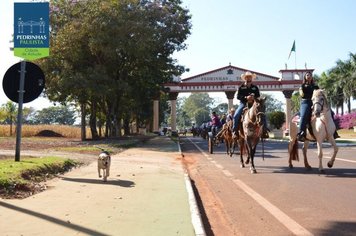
x=295, y=59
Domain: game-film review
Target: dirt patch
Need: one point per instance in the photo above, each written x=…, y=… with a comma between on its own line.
x=48, y=133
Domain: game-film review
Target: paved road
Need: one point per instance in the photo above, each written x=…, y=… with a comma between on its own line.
x=278, y=200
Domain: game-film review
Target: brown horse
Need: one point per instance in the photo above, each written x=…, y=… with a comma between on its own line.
x=226, y=134
x=252, y=126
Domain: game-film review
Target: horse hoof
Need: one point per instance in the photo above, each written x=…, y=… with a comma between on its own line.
x=253, y=171
x=290, y=166
x=330, y=165
x=242, y=166
x=247, y=162
x=322, y=171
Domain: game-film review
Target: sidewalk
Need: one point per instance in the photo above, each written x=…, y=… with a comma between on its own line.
x=147, y=193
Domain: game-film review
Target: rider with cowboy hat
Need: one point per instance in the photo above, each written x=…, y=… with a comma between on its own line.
x=246, y=95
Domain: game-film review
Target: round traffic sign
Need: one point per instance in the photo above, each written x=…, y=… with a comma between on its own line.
x=34, y=82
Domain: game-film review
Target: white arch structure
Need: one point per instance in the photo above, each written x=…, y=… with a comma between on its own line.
x=227, y=79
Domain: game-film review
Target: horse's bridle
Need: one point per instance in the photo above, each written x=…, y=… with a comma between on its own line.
x=319, y=103
x=259, y=115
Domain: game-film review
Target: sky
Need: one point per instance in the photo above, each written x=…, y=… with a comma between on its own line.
x=251, y=34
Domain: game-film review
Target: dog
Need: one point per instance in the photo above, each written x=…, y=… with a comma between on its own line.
x=104, y=162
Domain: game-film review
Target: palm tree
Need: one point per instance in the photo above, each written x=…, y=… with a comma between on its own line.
x=353, y=73
x=328, y=82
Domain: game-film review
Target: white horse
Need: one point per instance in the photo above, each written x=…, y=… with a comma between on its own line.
x=323, y=128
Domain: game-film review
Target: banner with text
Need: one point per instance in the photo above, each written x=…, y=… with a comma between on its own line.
x=31, y=30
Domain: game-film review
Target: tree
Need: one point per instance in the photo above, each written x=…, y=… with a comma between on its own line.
x=295, y=102
x=28, y=114
x=272, y=104
x=9, y=113
x=183, y=120
x=107, y=52
x=277, y=119
x=201, y=116
x=340, y=83
x=222, y=108
x=197, y=107
x=61, y=115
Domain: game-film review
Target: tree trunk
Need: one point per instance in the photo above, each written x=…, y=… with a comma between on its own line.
x=126, y=126
x=10, y=127
x=107, y=126
x=100, y=126
x=92, y=121
x=83, y=123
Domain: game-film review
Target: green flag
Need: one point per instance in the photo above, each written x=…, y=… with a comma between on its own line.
x=292, y=50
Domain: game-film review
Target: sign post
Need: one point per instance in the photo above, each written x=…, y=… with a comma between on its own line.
x=31, y=42
x=19, y=113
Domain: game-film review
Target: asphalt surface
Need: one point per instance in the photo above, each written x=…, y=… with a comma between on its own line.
x=147, y=193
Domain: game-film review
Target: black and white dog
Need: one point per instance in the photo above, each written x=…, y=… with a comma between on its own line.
x=104, y=162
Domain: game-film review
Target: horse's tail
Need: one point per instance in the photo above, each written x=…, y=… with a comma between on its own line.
x=293, y=153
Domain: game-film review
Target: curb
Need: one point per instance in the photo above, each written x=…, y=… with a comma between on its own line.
x=194, y=209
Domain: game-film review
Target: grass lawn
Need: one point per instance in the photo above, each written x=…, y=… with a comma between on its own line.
x=17, y=175
x=347, y=133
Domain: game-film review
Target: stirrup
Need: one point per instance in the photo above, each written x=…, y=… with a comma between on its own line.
x=301, y=137
x=265, y=134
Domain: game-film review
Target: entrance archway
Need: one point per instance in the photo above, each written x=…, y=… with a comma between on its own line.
x=227, y=79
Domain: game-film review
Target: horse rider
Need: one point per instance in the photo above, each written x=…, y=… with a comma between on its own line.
x=229, y=118
x=215, y=122
x=246, y=95
x=223, y=119
x=306, y=92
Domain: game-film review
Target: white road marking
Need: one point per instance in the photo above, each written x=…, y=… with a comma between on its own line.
x=288, y=222
x=283, y=218
x=336, y=159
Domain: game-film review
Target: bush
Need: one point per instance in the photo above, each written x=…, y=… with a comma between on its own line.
x=346, y=121
x=276, y=119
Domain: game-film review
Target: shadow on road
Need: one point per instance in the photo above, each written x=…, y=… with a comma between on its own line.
x=117, y=182
x=337, y=228
x=52, y=219
x=333, y=172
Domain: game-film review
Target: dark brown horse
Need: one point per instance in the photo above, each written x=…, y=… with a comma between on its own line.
x=252, y=126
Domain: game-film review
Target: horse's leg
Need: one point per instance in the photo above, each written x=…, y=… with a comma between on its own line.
x=249, y=147
x=291, y=152
x=333, y=143
x=252, y=167
x=305, y=148
x=227, y=146
x=242, y=147
x=233, y=146
x=231, y=143
x=320, y=155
